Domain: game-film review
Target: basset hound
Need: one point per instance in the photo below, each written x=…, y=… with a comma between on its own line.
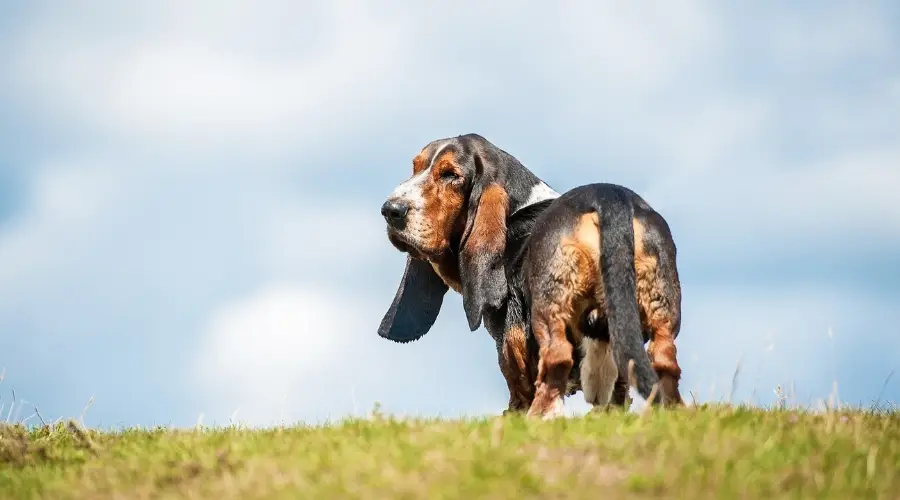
x=465, y=220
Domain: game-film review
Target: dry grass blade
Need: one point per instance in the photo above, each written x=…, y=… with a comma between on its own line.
x=83, y=436
x=648, y=407
x=11, y=407
x=883, y=387
x=39, y=416
x=84, y=411
x=734, y=379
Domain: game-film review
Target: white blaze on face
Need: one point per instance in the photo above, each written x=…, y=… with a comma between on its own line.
x=410, y=191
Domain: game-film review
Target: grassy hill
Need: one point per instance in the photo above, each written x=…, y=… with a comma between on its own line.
x=703, y=452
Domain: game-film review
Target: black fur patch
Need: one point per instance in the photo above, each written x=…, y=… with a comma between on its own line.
x=416, y=305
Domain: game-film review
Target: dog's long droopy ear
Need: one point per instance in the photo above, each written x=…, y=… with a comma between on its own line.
x=416, y=304
x=481, y=259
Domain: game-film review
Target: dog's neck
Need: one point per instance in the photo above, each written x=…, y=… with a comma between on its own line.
x=524, y=188
x=539, y=192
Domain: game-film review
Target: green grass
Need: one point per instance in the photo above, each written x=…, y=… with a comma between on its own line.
x=705, y=452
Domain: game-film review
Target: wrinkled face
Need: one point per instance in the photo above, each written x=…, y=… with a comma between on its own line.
x=426, y=214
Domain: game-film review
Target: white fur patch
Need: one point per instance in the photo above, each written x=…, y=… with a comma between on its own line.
x=410, y=191
x=437, y=154
x=598, y=372
x=540, y=192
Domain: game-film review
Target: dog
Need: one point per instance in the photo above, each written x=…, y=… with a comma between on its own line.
x=600, y=274
x=452, y=218
x=464, y=219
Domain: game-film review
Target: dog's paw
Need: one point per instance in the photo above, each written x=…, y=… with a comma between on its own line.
x=556, y=410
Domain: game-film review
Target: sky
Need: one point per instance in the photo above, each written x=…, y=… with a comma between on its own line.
x=190, y=194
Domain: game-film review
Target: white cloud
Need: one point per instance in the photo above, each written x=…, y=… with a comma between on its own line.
x=309, y=352
x=182, y=91
x=283, y=341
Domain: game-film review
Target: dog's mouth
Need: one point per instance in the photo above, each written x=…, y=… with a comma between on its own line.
x=406, y=244
x=398, y=240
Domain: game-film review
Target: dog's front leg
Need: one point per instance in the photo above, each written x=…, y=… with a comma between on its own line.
x=513, y=359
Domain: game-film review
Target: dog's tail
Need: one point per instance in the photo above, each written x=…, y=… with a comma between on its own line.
x=619, y=282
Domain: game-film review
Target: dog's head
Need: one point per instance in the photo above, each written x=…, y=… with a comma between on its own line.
x=450, y=218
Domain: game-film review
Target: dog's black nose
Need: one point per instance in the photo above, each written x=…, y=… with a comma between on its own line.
x=394, y=212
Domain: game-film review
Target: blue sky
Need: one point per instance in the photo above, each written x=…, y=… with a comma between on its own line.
x=189, y=197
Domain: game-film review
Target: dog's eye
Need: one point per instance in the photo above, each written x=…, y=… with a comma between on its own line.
x=449, y=175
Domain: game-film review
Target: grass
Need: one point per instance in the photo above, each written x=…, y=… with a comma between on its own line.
x=700, y=452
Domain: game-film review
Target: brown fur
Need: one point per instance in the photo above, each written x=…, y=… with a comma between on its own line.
x=576, y=270
x=419, y=161
x=488, y=234
x=517, y=369
x=555, y=363
x=444, y=204
x=446, y=209
x=447, y=268
x=655, y=318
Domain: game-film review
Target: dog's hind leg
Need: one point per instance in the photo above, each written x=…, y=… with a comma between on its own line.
x=561, y=286
x=659, y=298
x=663, y=358
x=554, y=364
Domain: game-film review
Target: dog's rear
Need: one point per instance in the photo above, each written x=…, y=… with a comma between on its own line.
x=601, y=267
